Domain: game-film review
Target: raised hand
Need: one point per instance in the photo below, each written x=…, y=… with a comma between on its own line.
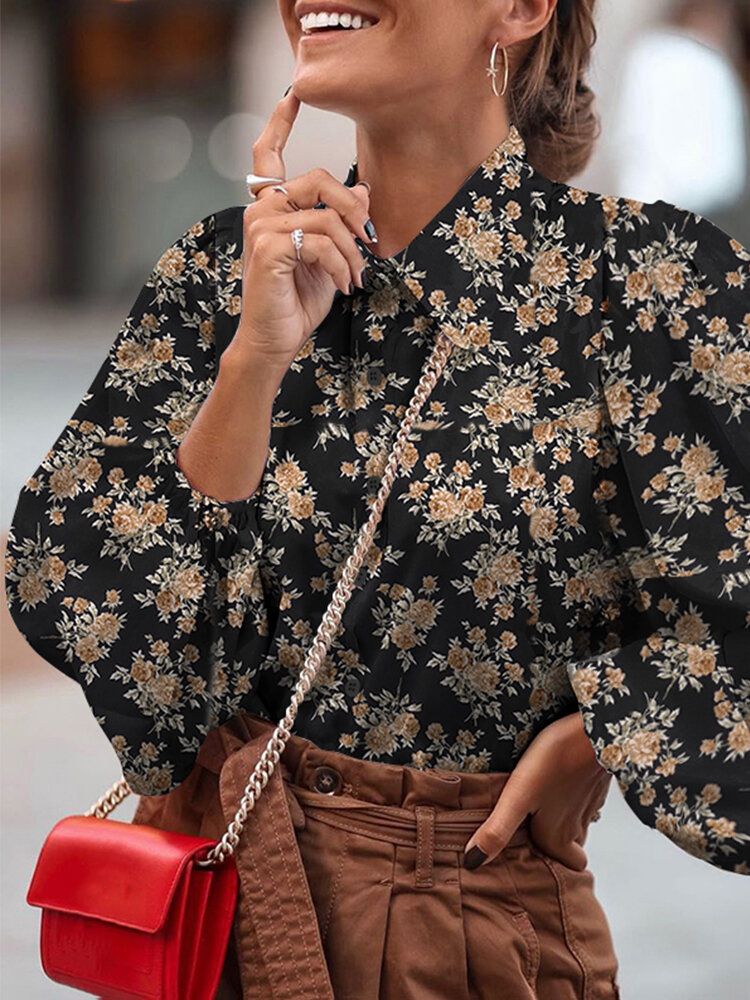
x=284, y=299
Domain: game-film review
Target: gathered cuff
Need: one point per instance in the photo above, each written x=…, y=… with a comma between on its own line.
x=679, y=754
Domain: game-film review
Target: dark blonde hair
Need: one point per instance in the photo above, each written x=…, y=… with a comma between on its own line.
x=550, y=101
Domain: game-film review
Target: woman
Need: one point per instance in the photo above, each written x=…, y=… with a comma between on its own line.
x=557, y=591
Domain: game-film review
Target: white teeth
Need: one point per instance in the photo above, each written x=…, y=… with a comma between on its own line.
x=327, y=20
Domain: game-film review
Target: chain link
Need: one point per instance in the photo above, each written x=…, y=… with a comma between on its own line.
x=110, y=800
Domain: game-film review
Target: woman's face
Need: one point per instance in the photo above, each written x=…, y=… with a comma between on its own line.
x=412, y=48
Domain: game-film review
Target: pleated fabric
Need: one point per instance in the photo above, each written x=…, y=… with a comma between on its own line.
x=521, y=927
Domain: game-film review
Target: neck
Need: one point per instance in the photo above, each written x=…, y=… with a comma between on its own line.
x=414, y=171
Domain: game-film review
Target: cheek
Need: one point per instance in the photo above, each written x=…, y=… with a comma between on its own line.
x=434, y=43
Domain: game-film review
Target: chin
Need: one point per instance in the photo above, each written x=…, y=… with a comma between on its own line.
x=344, y=94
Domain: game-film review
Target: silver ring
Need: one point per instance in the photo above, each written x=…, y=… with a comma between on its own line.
x=253, y=180
x=298, y=237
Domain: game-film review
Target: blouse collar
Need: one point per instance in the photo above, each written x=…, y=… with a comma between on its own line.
x=476, y=245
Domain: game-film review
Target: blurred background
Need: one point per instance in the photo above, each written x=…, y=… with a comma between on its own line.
x=125, y=121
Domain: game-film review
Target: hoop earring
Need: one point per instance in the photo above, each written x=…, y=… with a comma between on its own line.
x=492, y=71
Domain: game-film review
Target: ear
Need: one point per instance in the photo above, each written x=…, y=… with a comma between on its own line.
x=521, y=20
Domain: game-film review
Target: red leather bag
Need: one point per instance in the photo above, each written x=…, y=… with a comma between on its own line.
x=131, y=912
x=126, y=911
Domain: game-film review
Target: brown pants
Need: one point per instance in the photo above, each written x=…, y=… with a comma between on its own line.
x=352, y=885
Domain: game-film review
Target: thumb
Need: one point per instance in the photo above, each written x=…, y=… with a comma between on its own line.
x=493, y=835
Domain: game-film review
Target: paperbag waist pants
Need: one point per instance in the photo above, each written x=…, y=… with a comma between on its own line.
x=352, y=885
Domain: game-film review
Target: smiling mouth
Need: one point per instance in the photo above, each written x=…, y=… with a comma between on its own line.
x=334, y=23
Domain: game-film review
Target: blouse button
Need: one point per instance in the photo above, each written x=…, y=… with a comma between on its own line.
x=327, y=780
x=362, y=576
x=352, y=686
x=210, y=518
x=373, y=376
x=372, y=485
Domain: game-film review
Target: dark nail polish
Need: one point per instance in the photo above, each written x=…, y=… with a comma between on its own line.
x=474, y=857
x=371, y=231
x=351, y=288
x=287, y=90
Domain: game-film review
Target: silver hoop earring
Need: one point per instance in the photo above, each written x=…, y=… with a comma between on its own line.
x=492, y=71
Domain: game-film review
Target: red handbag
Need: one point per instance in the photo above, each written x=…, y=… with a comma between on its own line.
x=127, y=911
x=131, y=912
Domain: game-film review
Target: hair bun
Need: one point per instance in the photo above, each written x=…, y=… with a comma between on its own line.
x=552, y=103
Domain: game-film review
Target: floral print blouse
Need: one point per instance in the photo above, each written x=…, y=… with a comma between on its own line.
x=569, y=528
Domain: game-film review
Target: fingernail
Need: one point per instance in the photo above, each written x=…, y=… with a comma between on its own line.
x=371, y=231
x=351, y=288
x=474, y=857
x=365, y=184
x=287, y=90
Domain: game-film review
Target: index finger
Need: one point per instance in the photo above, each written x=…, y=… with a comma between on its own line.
x=268, y=148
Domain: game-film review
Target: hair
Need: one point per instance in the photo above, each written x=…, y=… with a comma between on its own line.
x=551, y=102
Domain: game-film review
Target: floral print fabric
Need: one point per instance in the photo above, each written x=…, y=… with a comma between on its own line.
x=569, y=528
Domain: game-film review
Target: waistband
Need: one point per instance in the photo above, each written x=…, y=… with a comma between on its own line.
x=392, y=802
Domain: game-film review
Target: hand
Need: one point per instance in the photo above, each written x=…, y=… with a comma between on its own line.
x=559, y=781
x=285, y=299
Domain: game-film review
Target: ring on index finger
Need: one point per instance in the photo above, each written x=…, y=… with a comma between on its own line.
x=259, y=182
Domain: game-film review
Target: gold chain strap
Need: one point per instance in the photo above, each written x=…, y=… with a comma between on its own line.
x=110, y=800
x=325, y=634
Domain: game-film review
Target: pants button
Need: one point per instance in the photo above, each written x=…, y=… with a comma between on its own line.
x=327, y=780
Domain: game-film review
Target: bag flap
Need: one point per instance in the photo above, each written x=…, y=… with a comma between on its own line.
x=123, y=873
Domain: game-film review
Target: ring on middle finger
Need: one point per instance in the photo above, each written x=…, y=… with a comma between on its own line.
x=298, y=237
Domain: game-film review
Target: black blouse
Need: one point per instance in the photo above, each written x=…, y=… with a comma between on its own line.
x=569, y=528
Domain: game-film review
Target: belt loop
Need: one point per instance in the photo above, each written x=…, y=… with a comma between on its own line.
x=425, y=817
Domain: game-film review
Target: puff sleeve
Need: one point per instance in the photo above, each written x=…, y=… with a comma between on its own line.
x=120, y=574
x=667, y=705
